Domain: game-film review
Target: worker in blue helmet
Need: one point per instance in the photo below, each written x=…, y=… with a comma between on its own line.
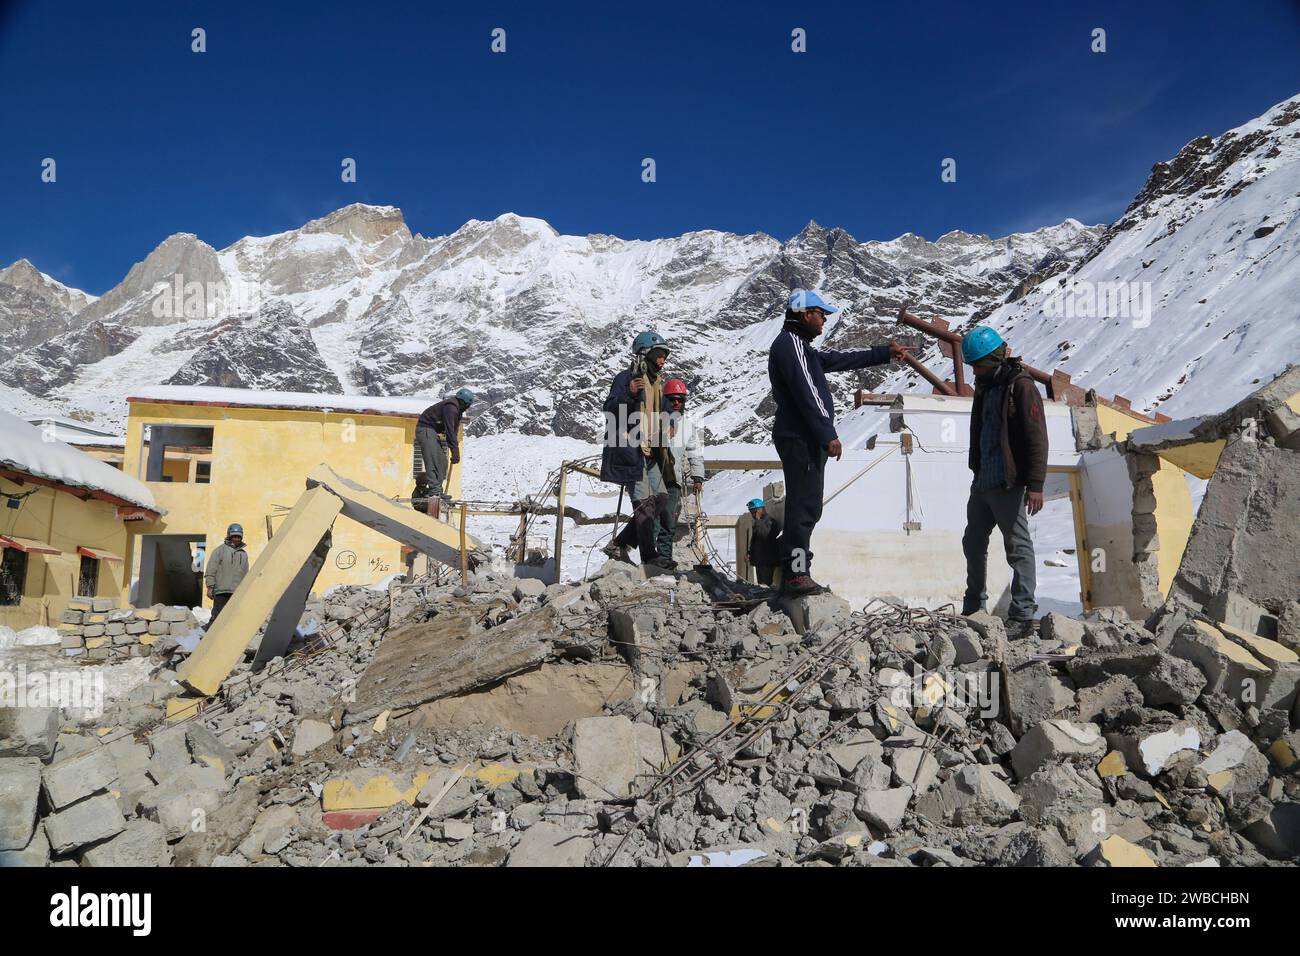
x=437, y=439
x=804, y=426
x=638, y=453
x=764, y=550
x=1008, y=456
x=226, y=568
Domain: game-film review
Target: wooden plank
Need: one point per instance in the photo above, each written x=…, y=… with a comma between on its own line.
x=559, y=518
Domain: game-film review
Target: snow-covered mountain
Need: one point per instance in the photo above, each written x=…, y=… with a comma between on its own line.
x=537, y=322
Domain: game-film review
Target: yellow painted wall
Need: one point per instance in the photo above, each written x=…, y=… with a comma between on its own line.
x=65, y=522
x=260, y=459
x=1173, y=499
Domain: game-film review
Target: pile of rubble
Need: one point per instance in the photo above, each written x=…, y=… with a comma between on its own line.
x=680, y=720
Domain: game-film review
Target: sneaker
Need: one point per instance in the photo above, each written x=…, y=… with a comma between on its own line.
x=616, y=552
x=659, y=566
x=801, y=584
x=666, y=563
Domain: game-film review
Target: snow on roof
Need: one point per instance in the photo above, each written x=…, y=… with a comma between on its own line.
x=74, y=432
x=248, y=397
x=24, y=448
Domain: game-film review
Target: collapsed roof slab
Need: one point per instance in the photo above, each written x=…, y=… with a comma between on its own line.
x=440, y=541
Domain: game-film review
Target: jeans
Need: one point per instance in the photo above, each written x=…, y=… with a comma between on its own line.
x=1005, y=510
x=667, y=522
x=804, y=465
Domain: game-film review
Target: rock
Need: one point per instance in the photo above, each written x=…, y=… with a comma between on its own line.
x=1152, y=751
x=719, y=799
x=310, y=734
x=850, y=753
x=545, y=844
x=1057, y=792
x=1228, y=667
x=271, y=823
x=967, y=645
x=1055, y=740
x=914, y=768
x=67, y=781
x=1037, y=847
x=28, y=731
x=206, y=749
x=20, y=787
x=1095, y=665
x=811, y=613
x=884, y=808
x=972, y=795
x=1117, y=851
x=36, y=853
x=90, y=821
x=1235, y=766
x=529, y=587
x=1173, y=682
x=1278, y=833
x=1058, y=627
x=1032, y=692
x=141, y=843
x=614, y=755
x=1107, y=699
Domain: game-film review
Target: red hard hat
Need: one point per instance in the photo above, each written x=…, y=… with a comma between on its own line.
x=674, y=386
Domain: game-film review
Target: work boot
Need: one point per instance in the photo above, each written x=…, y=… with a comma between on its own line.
x=800, y=585
x=616, y=552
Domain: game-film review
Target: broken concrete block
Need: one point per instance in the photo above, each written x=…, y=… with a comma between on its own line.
x=310, y=734
x=20, y=787
x=719, y=799
x=1117, y=851
x=1152, y=751
x=371, y=790
x=529, y=588
x=1058, y=792
x=1235, y=766
x=35, y=853
x=141, y=843
x=206, y=749
x=1110, y=697
x=1055, y=740
x=1173, y=682
x=545, y=844
x=1058, y=627
x=914, y=768
x=1279, y=690
x=28, y=731
x=457, y=830
x=273, y=821
x=850, y=753
x=90, y=821
x=1228, y=667
x=614, y=756
x=812, y=612
x=1278, y=833
x=1031, y=692
x=973, y=795
x=884, y=809
x=67, y=781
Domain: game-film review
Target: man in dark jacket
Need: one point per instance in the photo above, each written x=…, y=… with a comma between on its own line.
x=637, y=455
x=437, y=435
x=764, y=552
x=1008, y=455
x=804, y=428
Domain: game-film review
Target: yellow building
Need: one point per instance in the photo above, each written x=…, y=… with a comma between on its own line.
x=63, y=525
x=216, y=456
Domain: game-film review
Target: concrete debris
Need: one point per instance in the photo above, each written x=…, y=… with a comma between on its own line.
x=673, y=722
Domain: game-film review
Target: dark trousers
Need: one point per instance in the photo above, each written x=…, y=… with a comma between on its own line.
x=219, y=603
x=434, y=454
x=804, y=464
x=1005, y=510
x=649, y=503
x=667, y=522
x=765, y=573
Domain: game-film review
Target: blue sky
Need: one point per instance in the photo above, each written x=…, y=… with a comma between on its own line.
x=247, y=138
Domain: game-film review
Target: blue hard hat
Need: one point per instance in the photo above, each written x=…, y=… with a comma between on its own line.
x=235, y=529
x=647, y=341
x=465, y=395
x=801, y=300
x=754, y=503
x=979, y=342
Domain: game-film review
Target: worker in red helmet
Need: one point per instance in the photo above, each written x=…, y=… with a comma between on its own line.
x=687, y=448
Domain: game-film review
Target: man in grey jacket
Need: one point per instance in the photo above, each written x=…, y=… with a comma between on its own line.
x=226, y=568
x=688, y=463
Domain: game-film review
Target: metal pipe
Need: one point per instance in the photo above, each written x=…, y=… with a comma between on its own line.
x=940, y=385
x=906, y=318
